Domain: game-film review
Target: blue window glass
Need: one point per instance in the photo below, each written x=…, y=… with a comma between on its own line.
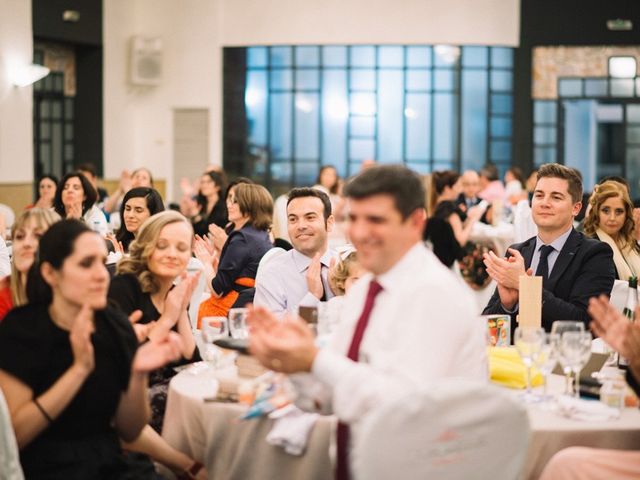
x=501, y=103
x=306, y=173
x=363, y=56
x=335, y=114
x=633, y=113
x=500, y=150
x=419, y=56
x=390, y=57
x=281, y=172
x=596, y=87
x=418, y=80
x=633, y=134
x=544, y=135
x=281, y=56
x=281, y=119
x=444, y=133
x=475, y=57
x=501, y=81
x=307, y=126
x=307, y=56
x=542, y=155
x=308, y=79
x=544, y=111
x=570, y=87
x=363, y=80
x=281, y=79
x=502, y=57
x=501, y=127
x=255, y=99
x=475, y=106
x=445, y=80
x=362, y=149
x=418, y=120
x=622, y=87
x=334, y=56
x=419, y=167
x=257, y=56
x=363, y=126
x=363, y=103
x=390, y=113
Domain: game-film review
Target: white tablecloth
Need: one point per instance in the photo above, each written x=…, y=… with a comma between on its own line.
x=235, y=449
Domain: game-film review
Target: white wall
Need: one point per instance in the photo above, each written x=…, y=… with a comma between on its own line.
x=268, y=22
x=138, y=122
x=16, y=137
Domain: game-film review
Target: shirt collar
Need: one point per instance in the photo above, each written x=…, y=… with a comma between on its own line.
x=395, y=275
x=302, y=262
x=557, y=244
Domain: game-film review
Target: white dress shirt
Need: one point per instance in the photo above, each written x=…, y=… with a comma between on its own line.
x=422, y=328
x=96, y=221
x=281, y=286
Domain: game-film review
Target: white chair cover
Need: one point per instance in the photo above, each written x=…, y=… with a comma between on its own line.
x=9, y=216
x=9, y=460
x=455, y=429
x=524, y=228
x=197, y=296
x=619, y=294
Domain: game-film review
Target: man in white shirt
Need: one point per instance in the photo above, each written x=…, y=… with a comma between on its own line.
x=406, y=324
x=299, y=276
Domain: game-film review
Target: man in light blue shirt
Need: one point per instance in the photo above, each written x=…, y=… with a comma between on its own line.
x=299, y=277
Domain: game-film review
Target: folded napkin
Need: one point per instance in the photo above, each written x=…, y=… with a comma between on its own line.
x=507, y=369
x=585, y=410
x=291, y=429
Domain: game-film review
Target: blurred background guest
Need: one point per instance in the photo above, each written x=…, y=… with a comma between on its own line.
x=46, y=192
x=610, y=219
x=490, y=184
x=25, y=235
x=89, y=171
x=140, y=177
x=250, y=208
x=76, y=198
x=145, y=281
x=514, y=185
x=137, y=205
x=470, y=188
x=330, y=183
x=212, y=208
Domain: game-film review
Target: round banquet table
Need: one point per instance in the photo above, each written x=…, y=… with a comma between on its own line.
x=211, y=432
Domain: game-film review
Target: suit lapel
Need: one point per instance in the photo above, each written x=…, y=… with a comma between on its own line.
x=565, y=257
x=527, y=251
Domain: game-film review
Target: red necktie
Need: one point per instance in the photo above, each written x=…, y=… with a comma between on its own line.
x=342, y=460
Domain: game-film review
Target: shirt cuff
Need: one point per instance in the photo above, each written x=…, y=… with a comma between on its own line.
x=329, y=367
x=309, y=300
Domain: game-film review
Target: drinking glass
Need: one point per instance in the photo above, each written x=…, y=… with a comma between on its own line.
x=560, y=327
x=238, y=323
x=213, y=328
x=576, y=348
x=528, y=341
x=547, y=358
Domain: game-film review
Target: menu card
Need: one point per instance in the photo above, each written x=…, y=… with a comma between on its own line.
x=530, y=302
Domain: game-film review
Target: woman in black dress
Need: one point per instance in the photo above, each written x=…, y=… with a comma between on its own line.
x=145, y=281
x=70, y=369
x=212, y=207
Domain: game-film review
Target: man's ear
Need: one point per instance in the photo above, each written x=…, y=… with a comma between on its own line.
x=330, y=223
x=576, y=208
x=418, y=218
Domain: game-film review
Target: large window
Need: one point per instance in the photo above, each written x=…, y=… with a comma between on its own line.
x=429, y=107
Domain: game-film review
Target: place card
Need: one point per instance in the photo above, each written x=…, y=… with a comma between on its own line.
x=530, y=302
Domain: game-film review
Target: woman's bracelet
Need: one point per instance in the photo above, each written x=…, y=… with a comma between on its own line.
x=42, y=410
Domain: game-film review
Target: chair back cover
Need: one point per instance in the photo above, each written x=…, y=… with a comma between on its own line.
x=619, y=294
x=197, y=297
x=455, y=429
x=9, y=460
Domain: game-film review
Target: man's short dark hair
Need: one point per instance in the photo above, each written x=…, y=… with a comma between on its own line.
x=402, y=184
x=87, y=167
x=555, y=170
x=490, y=172
x=311, y=192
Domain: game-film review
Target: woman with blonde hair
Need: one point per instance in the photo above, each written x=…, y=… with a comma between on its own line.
x=231, y=277
x=610, y=219
x=25, y=235
x=145, y=281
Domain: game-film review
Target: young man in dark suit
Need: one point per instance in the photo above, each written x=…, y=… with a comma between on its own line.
x=573, y=267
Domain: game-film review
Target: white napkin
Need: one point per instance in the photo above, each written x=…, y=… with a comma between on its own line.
x=586, y=410
x=291, y=429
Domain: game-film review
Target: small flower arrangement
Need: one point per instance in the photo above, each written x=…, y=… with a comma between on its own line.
x=472, y=266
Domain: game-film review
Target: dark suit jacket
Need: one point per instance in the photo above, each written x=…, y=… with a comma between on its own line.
x=584, y=269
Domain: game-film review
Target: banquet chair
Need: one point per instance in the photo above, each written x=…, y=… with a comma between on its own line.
x=199, y=293
x=454, y=429
x=9, y=459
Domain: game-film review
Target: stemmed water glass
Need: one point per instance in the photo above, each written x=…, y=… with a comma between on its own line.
x=560, y=327
x=575, y=350
x=528, y=342
x=547, y=358
x=238, y=323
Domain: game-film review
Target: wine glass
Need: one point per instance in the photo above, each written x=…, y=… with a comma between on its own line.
x=213, y=328
x=547, y=358
x=560, y=327
x=528, y=341
x=575, y=347
x=238, y=323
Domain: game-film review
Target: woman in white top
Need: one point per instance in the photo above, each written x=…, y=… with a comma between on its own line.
x=76, y=198
x=611, y=220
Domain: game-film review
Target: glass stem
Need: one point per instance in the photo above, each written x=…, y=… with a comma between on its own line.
x=577, y=373
x=528, y=380
x=567, y=382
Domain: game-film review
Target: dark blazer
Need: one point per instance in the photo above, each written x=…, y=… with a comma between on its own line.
x=584, y=269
